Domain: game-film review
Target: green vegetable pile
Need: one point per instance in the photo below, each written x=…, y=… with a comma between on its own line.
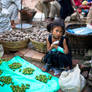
x=6, y=79
x=28, y=70
x=1, y=72
x=15, y=65
x=43, y=78
x=23, y=87
x=15, y=88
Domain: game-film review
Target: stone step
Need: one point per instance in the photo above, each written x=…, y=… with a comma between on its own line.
x=30, y=54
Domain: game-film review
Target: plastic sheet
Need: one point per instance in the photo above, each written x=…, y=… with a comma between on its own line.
x=81, y=31
x=18, y=78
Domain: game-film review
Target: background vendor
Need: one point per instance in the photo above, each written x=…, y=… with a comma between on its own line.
x=13, y=6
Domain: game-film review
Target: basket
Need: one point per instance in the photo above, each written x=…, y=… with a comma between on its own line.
x=27, y=14
x=39, y=46
x=79, y=42
x=14, y=46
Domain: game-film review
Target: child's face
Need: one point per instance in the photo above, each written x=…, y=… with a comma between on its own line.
x=57, y=32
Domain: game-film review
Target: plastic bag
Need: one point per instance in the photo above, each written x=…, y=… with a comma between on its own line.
x=72, y=80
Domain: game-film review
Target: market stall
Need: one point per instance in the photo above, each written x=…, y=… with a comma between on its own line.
x=18, y=75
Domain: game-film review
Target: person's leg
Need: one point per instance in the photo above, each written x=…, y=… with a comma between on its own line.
x=13, y=14
x=58, y=63
x=48, y=62
x=58, y=7
x=54, y=9
x=46, y=9
x=61, y=60
x=47, y=66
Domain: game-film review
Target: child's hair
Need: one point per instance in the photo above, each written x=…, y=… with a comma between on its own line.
x=56, y=23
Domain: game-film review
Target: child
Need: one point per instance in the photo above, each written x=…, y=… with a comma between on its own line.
x=58, y=55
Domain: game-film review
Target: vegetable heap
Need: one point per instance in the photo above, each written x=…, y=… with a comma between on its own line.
x=28, y=70
x=43, y=78
x=23, y=87
x=15, y=65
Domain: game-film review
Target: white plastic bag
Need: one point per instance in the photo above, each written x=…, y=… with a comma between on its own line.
x=72, y=80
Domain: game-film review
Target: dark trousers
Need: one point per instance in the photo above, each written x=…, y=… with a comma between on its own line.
x=58, y=59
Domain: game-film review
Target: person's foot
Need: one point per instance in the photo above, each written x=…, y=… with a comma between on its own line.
x=46, y=68
x=43, y=69
x=57, y=72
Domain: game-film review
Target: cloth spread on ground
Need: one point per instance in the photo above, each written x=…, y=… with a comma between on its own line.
x=18, y=78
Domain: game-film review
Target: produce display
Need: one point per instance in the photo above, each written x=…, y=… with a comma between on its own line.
x=28, y=70
x=1, y=72
x=6, y=79
x=15, y=65
x=43, y=78
x=25, y=78
x=13, y=36
x=16, y=88
x=38, y=32
x=39, y=35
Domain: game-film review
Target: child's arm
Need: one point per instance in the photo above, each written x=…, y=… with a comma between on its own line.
x=50, y=46
x=65, y=47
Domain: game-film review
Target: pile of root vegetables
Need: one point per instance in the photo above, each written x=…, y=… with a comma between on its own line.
x=38, y=32
x=13, y=36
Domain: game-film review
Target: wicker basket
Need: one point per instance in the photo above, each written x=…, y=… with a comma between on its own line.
x=14, y=46
x=27, y=14
x=79, y=42
x=39, y=46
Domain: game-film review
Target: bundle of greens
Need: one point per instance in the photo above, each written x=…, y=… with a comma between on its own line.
x=28, y=70
x=15, y=65
x=43, y=78
x=6, y=79
x=23, y=87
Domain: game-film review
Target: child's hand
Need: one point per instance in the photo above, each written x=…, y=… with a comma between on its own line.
x=54, y=45
x=56, y=42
